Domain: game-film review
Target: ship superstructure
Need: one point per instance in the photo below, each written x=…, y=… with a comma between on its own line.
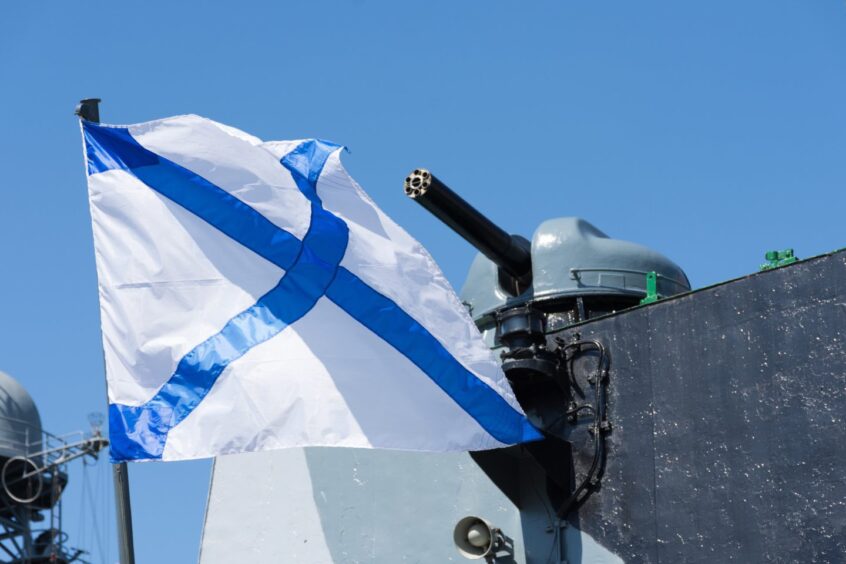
x=684, y=426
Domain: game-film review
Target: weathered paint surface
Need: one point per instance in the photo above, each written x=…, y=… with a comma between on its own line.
x=728, y=408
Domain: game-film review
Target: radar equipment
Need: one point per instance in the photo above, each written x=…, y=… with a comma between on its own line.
x=22, y=477
x=33, y=476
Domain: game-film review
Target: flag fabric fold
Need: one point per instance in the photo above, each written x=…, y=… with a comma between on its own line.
x=253, y=297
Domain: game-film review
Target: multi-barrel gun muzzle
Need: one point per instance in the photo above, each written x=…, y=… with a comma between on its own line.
x=511, y=253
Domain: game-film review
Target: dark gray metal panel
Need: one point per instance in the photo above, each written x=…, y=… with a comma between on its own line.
x=728, y=409
x=621, y=515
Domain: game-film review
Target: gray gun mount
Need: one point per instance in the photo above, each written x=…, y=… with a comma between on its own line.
x=569, y=267
x=521, y=294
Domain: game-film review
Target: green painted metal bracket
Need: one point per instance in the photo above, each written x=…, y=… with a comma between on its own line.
x=778, y=258
x=651, y=288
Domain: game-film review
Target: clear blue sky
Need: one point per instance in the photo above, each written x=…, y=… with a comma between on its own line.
x=711, y=131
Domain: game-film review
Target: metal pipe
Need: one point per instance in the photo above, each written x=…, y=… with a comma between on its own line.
x=124, y=513
x=89, y=109
x=510, y=252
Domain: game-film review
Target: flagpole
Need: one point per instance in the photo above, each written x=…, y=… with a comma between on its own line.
x=89, y=109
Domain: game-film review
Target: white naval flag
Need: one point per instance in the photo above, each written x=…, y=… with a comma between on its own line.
x=253, y=297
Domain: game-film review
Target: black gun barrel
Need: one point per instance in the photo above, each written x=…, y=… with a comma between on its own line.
x=510, y=252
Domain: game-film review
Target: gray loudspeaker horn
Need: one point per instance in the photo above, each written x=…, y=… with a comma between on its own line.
x=476, y=538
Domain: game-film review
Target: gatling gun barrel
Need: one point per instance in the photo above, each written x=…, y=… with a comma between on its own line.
x=511, y=253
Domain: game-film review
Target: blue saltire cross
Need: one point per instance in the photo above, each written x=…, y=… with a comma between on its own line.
x=311, y=271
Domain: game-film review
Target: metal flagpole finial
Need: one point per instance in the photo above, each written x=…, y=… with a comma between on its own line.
x=89, y=109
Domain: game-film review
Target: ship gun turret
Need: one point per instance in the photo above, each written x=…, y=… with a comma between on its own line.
x=523, y=295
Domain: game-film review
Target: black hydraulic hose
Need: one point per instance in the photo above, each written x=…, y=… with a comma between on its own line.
x=597, y=464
